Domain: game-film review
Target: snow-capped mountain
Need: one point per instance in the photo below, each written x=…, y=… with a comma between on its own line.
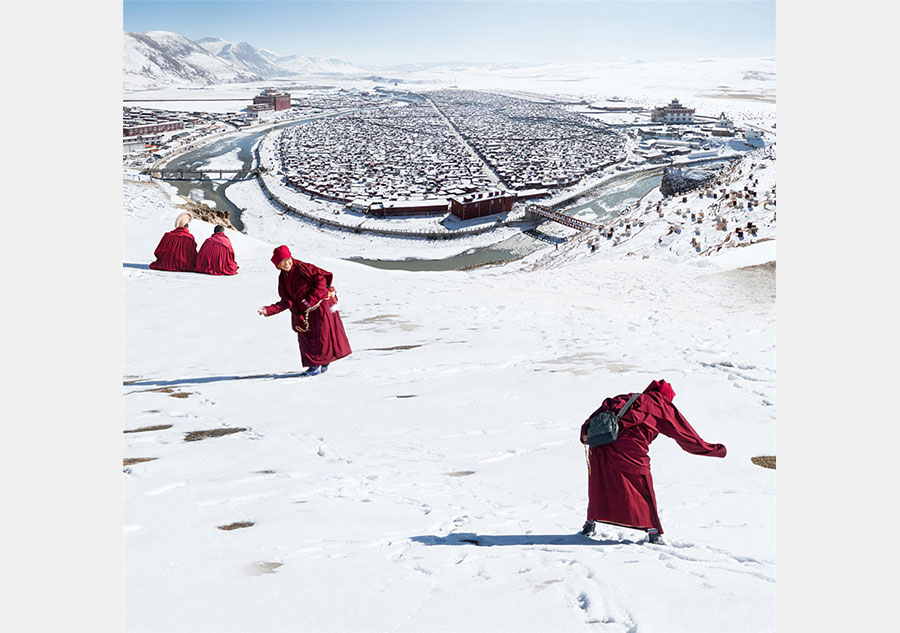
x=164, y=58
x=243, y=55
x=312, y=64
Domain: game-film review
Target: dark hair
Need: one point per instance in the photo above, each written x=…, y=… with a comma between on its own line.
x=219, y=228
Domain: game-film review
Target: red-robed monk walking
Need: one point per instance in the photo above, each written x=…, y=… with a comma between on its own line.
x=620, y=487
x=307, y=292
x=177, y=250
x=216, y=256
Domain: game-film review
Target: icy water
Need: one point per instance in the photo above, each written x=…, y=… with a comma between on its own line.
x=596, y=208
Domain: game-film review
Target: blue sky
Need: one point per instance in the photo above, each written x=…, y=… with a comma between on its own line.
x=379, y=33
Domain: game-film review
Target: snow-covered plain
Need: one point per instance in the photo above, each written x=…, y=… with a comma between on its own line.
x=433, y=480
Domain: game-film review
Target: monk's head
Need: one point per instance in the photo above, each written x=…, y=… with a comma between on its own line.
x=183, y=219
x=662, y=387
x=282, y=259
x=219, y=229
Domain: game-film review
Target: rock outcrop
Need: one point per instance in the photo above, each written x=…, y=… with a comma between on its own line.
x=676, y=181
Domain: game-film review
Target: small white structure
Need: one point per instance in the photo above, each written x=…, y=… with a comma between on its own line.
x=130, y=145
x=724, y=122
x=673, y=113
x=753, y=136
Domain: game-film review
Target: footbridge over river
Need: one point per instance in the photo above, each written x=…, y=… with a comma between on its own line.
x=185, y=173
x=540, y=212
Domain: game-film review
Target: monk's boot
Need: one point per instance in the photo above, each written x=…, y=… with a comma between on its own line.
x=653, y=536
x=589, y=528
x=315, y=370
x=324, y=368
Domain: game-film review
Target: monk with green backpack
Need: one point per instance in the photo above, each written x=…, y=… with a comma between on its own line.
x=618, y=434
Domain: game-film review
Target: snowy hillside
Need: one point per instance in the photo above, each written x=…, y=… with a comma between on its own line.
x=163, y=58
x=434, y=480
x=243, y=55
x=307, y=64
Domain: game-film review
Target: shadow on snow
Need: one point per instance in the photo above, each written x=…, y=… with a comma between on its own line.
x=498, y=540
x=206, y=379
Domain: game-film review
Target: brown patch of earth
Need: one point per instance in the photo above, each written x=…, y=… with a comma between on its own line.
x=130, y=461
x=195, y=436
x=395, y=348
x=205, y=213
x=460, y=473
x=766, y=461
x=236, y=526
x=158, y=427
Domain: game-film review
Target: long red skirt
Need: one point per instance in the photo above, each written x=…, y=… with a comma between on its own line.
x=619, y=497
x=326, y=340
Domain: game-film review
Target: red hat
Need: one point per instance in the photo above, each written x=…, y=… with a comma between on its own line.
x=664, y=389
x=280, y=254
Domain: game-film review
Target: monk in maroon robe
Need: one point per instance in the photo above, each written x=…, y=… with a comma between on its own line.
x=216, y=256
x=177, y=249
x=307, y=292
x=620, y=488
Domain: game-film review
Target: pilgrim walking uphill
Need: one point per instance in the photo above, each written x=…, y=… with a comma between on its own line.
x=177, y=250
x=620, y=487
x=307, y=292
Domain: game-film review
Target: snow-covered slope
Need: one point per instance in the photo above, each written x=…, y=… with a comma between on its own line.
x=316, y=65
x=433, y=480
x=243, y=55
x=163, y=58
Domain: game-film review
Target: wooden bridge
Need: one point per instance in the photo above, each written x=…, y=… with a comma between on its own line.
x=547, y=213
x=184, y=173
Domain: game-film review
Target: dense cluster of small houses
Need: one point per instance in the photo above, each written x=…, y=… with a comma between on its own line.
x=407, y=154
x=529, y=144
x=391, y=153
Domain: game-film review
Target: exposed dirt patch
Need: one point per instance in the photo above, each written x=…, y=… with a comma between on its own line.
x=161, y=390
x=205, y=213
x=766, y=461
x=395, y=348
x=236, y=526
x=264, y=472
x=130, y=461
x=195, y=436
x=180, y=394
x=410, y=396
x=768, y=267
x=158, y=427
x=460, y=473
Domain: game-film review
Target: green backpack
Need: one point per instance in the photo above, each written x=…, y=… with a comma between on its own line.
x=603, y=426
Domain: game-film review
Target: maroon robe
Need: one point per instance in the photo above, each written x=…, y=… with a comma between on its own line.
x=177, y=251
x=304, y=286
x=216, y=256
x=620, y=487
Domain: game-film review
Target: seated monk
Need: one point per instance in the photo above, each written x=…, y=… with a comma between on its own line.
x=177, y=249
x=216, y=256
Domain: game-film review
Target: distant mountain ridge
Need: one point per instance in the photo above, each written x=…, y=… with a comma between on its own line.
x=243, y=55
x=163, y=58
x=160, y=58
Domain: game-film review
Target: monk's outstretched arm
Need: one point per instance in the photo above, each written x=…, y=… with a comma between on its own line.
x=669, y=421
x=281, y=306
